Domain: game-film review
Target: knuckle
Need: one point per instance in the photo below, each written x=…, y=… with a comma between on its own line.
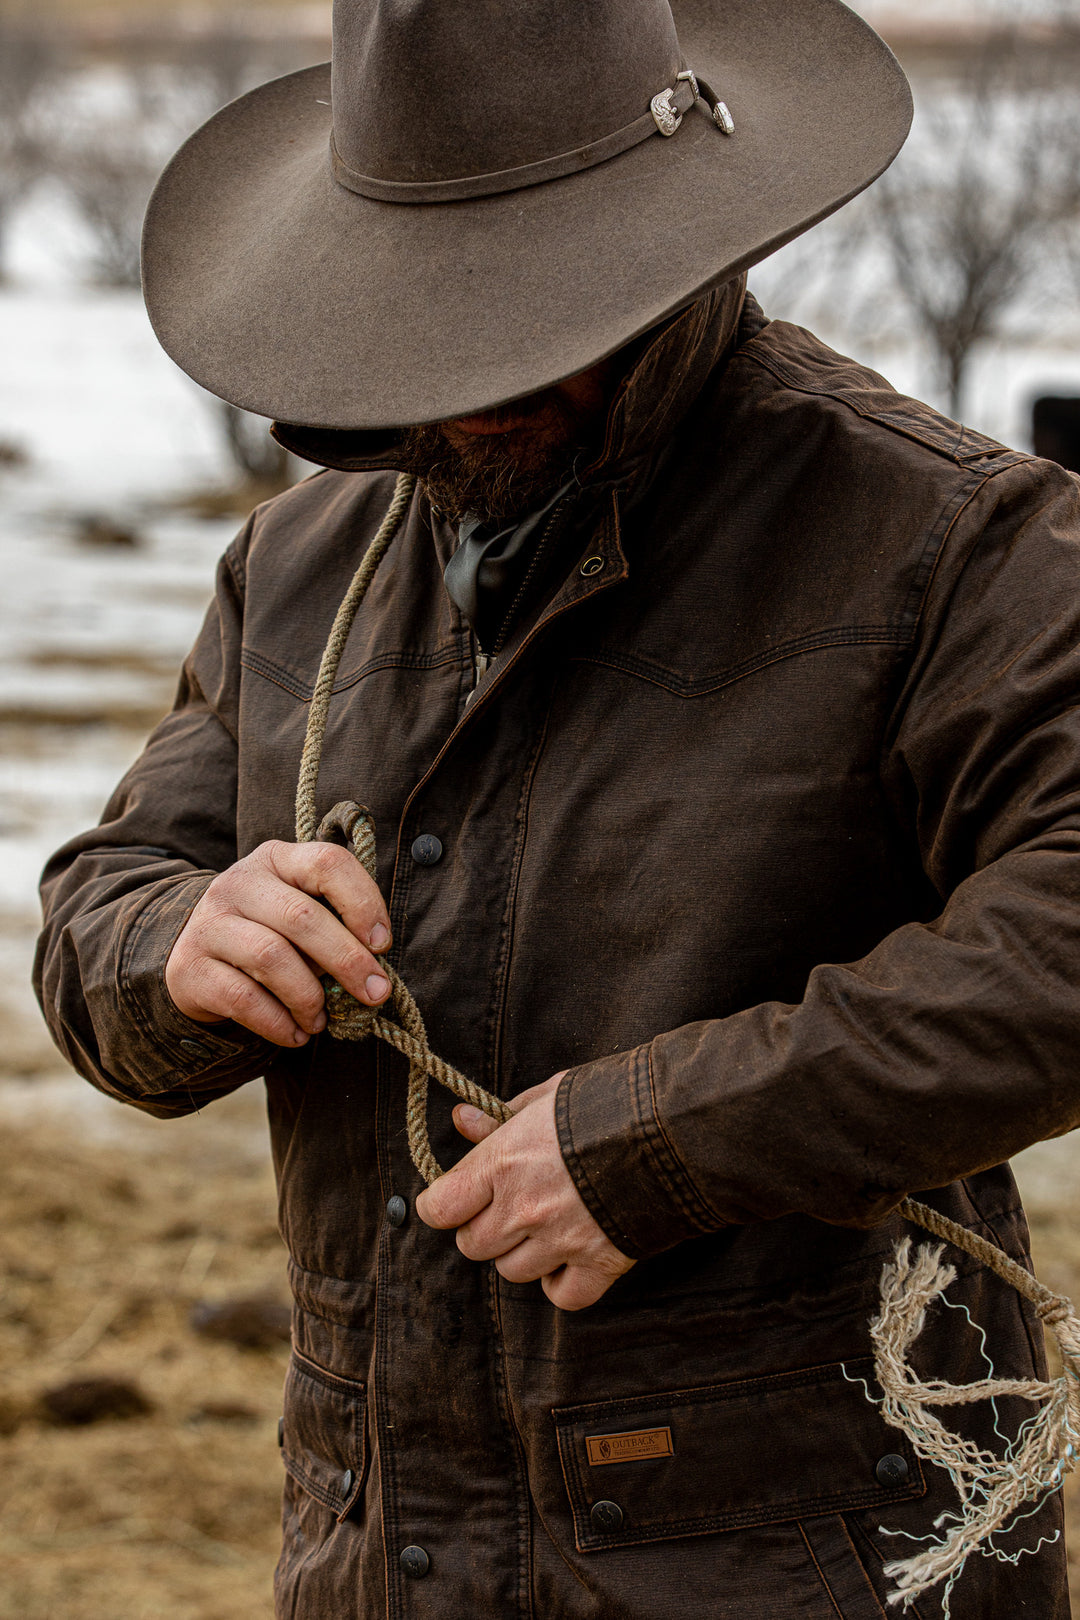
x=271, y=955
x=310, y=1000
x=326, y=859
x=467, y=1243
x=242, y=999
x=227, y=882
x=530, y=1212
x=357, y=964
x=299, y=912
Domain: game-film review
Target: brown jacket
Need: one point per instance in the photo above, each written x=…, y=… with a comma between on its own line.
x=767, y=824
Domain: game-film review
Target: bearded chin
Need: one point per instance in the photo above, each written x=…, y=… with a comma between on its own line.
x=495, y=480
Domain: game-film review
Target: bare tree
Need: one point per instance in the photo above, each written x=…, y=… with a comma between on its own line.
x=108, y=155
x=32, y=56
x=970, y=209
x=109, y=182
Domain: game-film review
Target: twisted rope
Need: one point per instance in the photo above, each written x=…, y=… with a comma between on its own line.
x=347, y=1018
x=307, y=819
x=992, y=1490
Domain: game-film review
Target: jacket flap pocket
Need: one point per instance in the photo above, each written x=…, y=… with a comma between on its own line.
x=324, y=1434
x=688, y=1462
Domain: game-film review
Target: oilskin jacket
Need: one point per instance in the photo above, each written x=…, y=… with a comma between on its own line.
x=765, y=824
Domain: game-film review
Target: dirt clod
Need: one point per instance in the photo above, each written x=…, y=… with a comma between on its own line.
x=252, y=1324
x=93, y=1400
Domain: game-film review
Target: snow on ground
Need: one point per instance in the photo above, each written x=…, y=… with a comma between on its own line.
x=90, y=637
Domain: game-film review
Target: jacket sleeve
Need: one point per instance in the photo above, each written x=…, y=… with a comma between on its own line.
x=955, y=1042
x=116, y=898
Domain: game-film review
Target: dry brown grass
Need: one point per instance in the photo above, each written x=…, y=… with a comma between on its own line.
x=104, y=1250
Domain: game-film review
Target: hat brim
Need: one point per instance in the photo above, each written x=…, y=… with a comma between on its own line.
x=284, y=293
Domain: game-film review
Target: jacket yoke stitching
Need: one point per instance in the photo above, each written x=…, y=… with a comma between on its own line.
x=656, y=675
x=259, y=664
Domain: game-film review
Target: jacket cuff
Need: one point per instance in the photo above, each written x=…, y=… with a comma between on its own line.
x=623, y=1165
x=171, y=1050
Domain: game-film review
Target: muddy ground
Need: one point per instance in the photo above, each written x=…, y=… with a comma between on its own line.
x=112, y=1227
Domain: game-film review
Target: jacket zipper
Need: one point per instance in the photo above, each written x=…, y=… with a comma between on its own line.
x=483, y=661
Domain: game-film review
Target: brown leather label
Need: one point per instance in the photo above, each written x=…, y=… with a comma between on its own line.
x=636, y=1446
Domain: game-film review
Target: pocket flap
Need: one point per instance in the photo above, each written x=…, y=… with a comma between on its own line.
x=324, y=1434
x=688, y=1462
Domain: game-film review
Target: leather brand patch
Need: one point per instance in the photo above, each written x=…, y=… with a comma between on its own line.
x=637, y=1446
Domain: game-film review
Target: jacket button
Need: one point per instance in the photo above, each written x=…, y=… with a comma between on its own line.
x=591, y=566
x=607, y=1517
x=346, y=1483
x=281, y=1431
x=892, y=1470
x=195, y=1049
x=428, y=850
x=415, y=1562
x=396, y=1211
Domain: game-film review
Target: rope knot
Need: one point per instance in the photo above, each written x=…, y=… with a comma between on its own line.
x=1055, y=1310
x=346, y=1018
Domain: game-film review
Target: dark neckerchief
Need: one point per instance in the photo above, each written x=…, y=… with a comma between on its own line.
x=493, y=574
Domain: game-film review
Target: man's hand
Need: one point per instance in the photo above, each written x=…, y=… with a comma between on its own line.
x=254, y=945
x=514, y=1201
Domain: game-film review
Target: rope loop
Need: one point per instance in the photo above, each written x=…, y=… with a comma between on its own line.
x=347, y=1018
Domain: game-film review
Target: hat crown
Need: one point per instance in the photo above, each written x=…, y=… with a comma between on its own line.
x=433, y=90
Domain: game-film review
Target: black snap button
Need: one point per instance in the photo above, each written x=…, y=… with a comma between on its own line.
x=415, y=1562
x=591, y=566
x=396, y=1211
x=196, y=1048
x=346, y=1483
x=607, y=1517
x=281, y=1431
x=892, y=1470
x=428, y=850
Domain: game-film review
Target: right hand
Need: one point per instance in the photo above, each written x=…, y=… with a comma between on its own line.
x=254, y=945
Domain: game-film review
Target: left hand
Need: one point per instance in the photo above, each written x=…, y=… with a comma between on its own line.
x=513, y=1201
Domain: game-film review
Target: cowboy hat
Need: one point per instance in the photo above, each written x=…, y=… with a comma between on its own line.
x=480, y=198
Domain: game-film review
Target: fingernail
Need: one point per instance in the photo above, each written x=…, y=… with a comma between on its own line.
x=469, y=1115
x=299, y=1038
x=319, y=1025
x=376, y=987
x=380, y=938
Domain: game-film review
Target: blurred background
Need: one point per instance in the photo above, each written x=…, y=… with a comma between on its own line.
x=143, y=1324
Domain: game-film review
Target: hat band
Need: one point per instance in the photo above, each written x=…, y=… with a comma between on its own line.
x=675, y=103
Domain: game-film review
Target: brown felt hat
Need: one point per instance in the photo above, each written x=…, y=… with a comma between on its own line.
x=479, y=198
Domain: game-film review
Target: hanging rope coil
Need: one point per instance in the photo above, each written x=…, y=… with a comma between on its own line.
x=347, y=1018
x=993, y=1490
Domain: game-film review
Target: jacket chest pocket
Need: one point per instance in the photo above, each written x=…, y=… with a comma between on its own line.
x=324, y=1434
x=731, y=1456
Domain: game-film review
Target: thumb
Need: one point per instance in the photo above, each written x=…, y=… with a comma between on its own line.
x=473, y=1124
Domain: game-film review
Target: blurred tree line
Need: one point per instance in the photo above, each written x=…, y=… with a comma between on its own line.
x=975, y=232
x=90, y=122
x=973, y=235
